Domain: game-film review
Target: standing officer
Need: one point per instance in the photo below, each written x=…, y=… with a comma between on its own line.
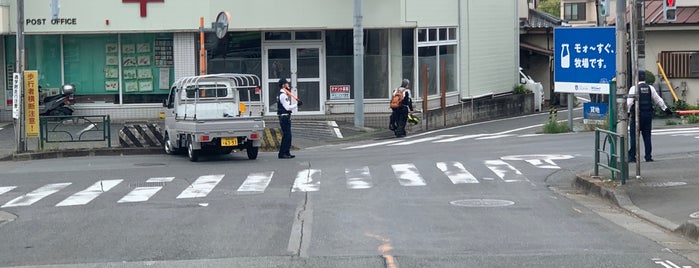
x=646, y=96
x=284, y=108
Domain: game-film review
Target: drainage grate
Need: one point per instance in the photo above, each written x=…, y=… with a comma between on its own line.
x=147, y=184
x=482, y=203
x=149, y=164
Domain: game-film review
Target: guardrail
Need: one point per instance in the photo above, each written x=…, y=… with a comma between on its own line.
x=62, y=129
x=612, y=165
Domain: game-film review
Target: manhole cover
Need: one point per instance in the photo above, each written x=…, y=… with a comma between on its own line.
x=482, y=203
x=694, y=215
x=664, y=184
x=149, y=164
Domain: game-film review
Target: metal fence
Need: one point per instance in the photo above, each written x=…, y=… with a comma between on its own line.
x=68, y=129
x=621, y=167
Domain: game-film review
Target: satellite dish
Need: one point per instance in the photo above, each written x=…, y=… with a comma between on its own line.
x=221, y=26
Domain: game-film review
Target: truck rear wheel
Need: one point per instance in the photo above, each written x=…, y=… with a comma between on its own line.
x=191, y=153
x=252, y=151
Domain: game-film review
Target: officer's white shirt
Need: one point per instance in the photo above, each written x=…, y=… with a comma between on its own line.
x=286, y=101
x=654, y=95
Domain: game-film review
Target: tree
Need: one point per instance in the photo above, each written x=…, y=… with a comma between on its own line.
x=552, y=7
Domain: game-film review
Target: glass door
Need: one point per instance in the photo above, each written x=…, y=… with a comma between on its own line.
x=301, y=65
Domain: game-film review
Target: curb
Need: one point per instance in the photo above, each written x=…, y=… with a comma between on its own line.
x=618, y=197
x=82, y=152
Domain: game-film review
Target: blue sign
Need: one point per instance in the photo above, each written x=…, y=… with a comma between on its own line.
x=585, y=59
x=594, y=111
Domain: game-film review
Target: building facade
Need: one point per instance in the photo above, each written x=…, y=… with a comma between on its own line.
x=123, y=55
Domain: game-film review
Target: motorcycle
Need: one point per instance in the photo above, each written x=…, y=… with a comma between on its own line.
x=59, y=105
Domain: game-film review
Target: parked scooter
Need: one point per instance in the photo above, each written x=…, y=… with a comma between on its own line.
x=59, y=105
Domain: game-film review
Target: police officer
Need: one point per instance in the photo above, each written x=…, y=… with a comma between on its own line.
x=284, y=108
x=646, y=96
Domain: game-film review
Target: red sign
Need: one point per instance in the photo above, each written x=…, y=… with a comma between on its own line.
x=143, y=4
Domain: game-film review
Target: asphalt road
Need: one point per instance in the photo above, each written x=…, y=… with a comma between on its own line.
x=493, y=194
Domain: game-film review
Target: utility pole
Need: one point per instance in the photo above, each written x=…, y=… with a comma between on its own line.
x=19, y=68
x=358, y=65
x=637, y=65
x=621, y=71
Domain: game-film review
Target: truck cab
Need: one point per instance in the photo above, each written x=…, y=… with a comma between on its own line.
x=205, y=114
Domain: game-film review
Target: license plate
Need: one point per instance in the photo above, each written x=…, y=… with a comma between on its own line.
x=229, y=141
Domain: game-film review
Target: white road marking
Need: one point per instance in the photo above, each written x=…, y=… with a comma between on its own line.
x=142, y=194
x=668, y=263
x=307, y=180
x=694, y=215
x=408, y=175
x=6, y=189
x=85, y=196
x=422, y=140
x=675, y=129
x=372, y=144
x=460, y=138
x=358, y=178
x=336, y=128
x=456, y=172
x=494, y=137
x=256, y=182
x=201, y=187
x=88, y=128
x=505, y=171
x=539, y=160
x=36, y=195
x=529, y=135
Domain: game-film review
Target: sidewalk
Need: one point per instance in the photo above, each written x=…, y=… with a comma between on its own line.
x=666, y=195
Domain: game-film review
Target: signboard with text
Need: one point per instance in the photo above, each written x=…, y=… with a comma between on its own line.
x=585, y=59
x=340, y=92
x=31, y=101
x=16, y=93
x=594, y=113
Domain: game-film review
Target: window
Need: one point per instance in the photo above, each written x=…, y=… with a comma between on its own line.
x=680, y=64
x=437, y=62
x=237, y=52
x=340, y=62
x=574, y=11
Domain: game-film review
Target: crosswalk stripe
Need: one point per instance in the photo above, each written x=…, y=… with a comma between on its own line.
x=421, y=140
x=408, y=175
x=256, y=182
x=505, y=171
x=307, y=180
x=201, y=187
x=142, y=194
x=358, y=178
x=675, y=129
x=85, y=196
x=36, y=195
x=6, y=189
x=456, y=172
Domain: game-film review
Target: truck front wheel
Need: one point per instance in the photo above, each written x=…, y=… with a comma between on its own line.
x=252, y=151
x=191, y=153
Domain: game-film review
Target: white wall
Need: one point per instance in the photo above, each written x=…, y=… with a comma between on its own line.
x=664, y=39
x=92, y=16
x=489, y=47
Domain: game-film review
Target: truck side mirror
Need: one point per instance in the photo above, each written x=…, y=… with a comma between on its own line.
x=522, y=80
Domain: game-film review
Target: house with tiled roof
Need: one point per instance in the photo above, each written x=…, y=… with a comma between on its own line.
x=536, y=45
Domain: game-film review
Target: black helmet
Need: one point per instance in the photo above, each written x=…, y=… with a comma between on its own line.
x=282, y=82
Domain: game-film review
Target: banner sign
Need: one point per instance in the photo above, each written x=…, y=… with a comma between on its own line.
x=16, y=94
x=341, y=92
x=31, y=101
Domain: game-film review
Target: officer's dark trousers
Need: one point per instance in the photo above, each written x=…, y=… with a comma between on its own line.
x=285, y=124
x=646, y=123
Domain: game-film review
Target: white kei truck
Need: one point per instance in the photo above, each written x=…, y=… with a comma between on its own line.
x=205, y=114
